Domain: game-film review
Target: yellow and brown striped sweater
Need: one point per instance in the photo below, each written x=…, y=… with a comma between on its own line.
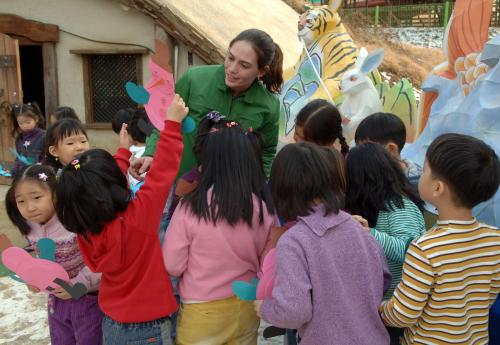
x=451, y=277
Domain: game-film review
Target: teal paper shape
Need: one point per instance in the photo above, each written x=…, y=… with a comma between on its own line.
x=137, y=93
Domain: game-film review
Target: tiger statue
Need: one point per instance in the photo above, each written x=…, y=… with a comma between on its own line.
x=330, y=52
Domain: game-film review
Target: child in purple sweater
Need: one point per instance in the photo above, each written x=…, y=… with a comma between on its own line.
x=330, y=273
x=28, y=130
x=30, y=207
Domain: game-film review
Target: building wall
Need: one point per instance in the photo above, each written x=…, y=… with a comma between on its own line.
x=97, y=22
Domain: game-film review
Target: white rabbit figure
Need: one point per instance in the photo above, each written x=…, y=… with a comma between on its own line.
x=362, y=98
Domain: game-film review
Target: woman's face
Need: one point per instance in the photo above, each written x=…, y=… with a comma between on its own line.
x=241, y=67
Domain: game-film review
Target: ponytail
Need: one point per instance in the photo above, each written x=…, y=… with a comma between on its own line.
x=273, y=79
x=344, y=147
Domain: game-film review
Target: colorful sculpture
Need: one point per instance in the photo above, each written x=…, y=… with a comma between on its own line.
x=328, y=53
x=461, y=95
x=362, y=98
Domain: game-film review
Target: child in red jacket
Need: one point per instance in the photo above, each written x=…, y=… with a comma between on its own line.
x=118, y=235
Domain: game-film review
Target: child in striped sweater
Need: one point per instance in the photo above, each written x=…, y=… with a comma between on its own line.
x=451, y=275
x=380, y=192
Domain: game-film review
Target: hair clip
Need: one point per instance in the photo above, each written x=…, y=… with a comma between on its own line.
x=215, y=116
x=231, y=124
x=43, y=177
x=76, y=164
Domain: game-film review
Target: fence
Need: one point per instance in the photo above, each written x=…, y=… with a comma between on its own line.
x=418, y=15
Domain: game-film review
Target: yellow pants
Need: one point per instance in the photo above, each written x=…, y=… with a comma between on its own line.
x=225, y=322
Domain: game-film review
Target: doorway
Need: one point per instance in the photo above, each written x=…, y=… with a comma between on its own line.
x=31, y=61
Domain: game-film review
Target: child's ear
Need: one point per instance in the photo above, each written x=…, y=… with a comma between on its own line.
x=393, y=149
x=438, y=188
x=53, y=151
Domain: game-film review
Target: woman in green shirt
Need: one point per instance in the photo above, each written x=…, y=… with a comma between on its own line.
x=243, y=89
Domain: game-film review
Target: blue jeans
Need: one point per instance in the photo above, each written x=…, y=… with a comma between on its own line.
x=156, y=332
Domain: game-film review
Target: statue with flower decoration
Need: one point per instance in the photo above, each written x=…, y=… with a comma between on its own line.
x=461, y=94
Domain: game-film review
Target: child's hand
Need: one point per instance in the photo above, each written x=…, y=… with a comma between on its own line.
x=362, y=221
x=256, y=306
x=32, y=288
x=177, y=110
x=61, y=293
x=124, y=138
x=139, y=166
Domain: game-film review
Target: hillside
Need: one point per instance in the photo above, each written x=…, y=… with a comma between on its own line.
x=402, y=60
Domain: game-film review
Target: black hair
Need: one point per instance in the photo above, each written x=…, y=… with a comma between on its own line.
x=64, y=112
x=302, y=175
x=90, y=192
x=268, y=54
x=29, y=109
x=468, y=166
x=338, y=163
x=376, y=182
x=56, y=133
x=322, y=124
x=133, y=127
x=42, y=174
x=381, y=128
x=256, y=141
x=231, y=171
x=121, y=116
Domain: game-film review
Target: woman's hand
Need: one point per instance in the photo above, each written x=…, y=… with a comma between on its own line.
x=124, y=137
x=32, y=288
x=61, y=293
x=139, y=166
x=362, y=221
x=256, y=306
x=177, y=110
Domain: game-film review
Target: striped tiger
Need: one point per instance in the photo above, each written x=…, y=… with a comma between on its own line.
x=330, y=49
x=325, y=36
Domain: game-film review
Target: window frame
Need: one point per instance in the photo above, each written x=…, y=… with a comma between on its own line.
x=87, y=85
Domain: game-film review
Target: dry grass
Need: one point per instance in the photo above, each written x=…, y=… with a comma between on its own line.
x=401, y=60
x=297, y=5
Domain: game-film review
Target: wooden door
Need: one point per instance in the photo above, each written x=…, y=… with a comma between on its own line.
x=10, y=92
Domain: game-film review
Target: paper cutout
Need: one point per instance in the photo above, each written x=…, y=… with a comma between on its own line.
x=36, y=272
x=46, y=249
x=135, y=188
x=188, y=125
x=137, y=93
x=266, y=278
x=21, y=158
x=76, y=291
x=161, y=93
x=273, y=331
x=245, y=291
x=261, y=287
x=4, y=172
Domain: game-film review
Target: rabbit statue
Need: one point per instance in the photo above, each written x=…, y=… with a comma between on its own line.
x=362, y=98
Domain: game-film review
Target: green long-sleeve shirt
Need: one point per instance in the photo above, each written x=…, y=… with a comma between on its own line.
x=204, y=89
x=394, y=232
